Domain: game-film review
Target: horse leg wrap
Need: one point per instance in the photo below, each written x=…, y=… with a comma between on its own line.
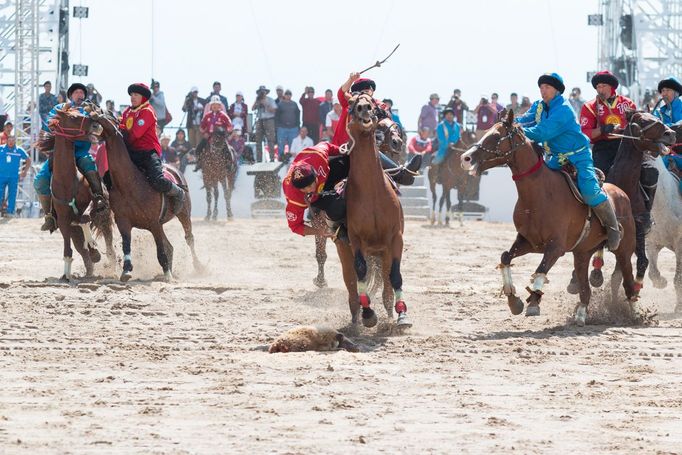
x=598, y=261
x=538, y=280
x=67, y=266
x=364, y=300
x=639, y=284
x=507, y=286
x=534, y=296
x=395, y=276
x=400, y=306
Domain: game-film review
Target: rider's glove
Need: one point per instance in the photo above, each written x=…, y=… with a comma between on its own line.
x=606, y=129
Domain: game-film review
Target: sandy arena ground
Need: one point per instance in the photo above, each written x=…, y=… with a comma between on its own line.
x=150, y=367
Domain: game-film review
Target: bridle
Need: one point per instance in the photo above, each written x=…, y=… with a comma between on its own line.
x=512, y=132
x=69, y=133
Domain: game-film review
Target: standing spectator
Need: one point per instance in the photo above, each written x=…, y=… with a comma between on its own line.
x=576, y=101
x=182, y=147
x=46, y=101
x=311, y=113
x=486, y=115
x=326, y=106
x=194, y=107
x=93, y=95
x=10, y=162
x=525, y=105
x=429, y=114
x=514, y=104
x=3, y=113
x=237, y=142
x=421, y=145
x=217, y=86
x=265, y=108
x=287, y=119
x=279, y=90
x=458, y=105
x=332, y=119
x=158, y=102
x=6, y=132
x=111, y=107
x=301, y=141
x=394, y=115
x=61, y=97
x=238, y=113
x=493, y=101
x=168, y=153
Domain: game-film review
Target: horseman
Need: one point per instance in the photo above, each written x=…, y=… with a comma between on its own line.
x=552, y=122
x=356, y=84
x=671, y=114
x=607, y=114
x=448, y=133
x=138, y=125
x=84, y=161
x=214, y=118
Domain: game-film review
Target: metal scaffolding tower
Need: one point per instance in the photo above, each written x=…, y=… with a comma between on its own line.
x=640, y=42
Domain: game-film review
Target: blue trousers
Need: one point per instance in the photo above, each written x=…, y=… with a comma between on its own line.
x=84, y=162
x=587, y=179
x=9, y=183
x=285, y=136
x=678, y=162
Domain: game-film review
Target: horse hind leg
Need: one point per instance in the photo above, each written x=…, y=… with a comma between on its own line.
x=655, y=276
x=216, y=195
x=640, y=251
x=164, y=253
x=581, y=263
x=320, y=252
x=186, y=222
x=448, y=206
x=227, y=192
x=596, y=275
x=79, y=242
x=90, y=244
x=208, y=204
x=678, y=277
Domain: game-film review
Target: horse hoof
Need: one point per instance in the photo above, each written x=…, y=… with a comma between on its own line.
x=126, y=275
x=515, y=305
x=533, y=310
x=320, y=282
x=95, y=256
x=403, y=322
x=64, y=279
x=573, y=287
x=167, y=276
x=369, y=317
x=580, y=315
x=659, y=282
x=596, y=278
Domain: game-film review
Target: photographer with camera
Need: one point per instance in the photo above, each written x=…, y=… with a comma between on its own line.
x=576, y=101
x=194, y=108
x=486, y=115
x=265, y=109
x=458, y=105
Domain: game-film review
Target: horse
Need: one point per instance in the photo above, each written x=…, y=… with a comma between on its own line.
x=390, y=140
x=449, y=175
x=219, y=165
x=644, y=134
x=374, y=218
x=136, y=205
x=667, y=229
x=549, y=219
x=71, y=195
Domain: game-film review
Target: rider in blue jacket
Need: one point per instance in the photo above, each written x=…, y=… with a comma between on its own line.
x=84, y=162
x=552, y=122
x=448, y=132
x=671, y=113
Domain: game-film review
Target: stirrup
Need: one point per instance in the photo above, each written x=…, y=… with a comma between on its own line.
x=50, y=223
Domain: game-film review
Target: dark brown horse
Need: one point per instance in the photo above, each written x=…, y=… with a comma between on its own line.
x=374, y=219
x=71, y=195
x=219, y=166
x=549, y=219
x=644, y=134
x=451, y=176
x=390, y=140
x=136, y=205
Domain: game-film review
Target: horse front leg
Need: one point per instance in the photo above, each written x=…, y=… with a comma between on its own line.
x=164, y=252
x=678, y=276
x=596, y=275
x=655, y=276
x=349, y=278
x=640, y=251
x=395, y=278
x=518, y=248
x=441, y=202
x=227, y=192
x=434, y=197
x=216, y=194
x=539, y=278
x=125, y=229
x=320, y=251
x=208, y=203
x=369, y=317
x=448, y=206
x=65, y=229
x=80, y=243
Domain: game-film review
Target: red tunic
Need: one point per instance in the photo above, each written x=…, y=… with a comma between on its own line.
x=340, y=133
x=318, y=157
x=140, y=124
x=596, y=113
x=213, y=119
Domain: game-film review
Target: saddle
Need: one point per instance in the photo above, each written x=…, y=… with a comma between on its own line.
x=571, y=175
x=340, y=188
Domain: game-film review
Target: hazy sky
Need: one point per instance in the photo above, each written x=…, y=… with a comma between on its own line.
x=480, y=47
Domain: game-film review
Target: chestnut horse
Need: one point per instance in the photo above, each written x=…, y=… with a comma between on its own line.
x=449, y=174
x=549, y=219
x=390, y=138
x=136, y=205
x=219, y=166
x=644, y=134
x=374, y=218
x=71, y=195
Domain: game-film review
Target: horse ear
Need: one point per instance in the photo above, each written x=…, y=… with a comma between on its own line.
x=509, y=120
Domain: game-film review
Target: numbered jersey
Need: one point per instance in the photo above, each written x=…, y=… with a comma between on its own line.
x=596, y=113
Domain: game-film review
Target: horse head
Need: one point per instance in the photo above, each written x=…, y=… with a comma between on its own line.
x=389, y=137
x=496, y=147
x=70, y=123
x=653, y=135
x=362, y=115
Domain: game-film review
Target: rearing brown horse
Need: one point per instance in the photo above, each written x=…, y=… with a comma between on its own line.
x=549, y=219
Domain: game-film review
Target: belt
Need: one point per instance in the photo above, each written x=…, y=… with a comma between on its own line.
x=563, y=157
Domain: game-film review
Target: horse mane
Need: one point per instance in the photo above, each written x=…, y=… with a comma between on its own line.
x=45, y=143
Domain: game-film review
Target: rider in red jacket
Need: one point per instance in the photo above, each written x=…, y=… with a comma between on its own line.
x=138, y=125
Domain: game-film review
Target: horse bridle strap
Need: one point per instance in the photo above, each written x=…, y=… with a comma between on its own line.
x=65, y=132
x=536, y=167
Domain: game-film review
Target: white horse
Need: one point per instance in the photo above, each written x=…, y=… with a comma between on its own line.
x=667, y=229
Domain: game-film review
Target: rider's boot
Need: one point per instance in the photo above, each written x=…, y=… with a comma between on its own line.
x=403, y=175
x=96, y=188
x=339, y=230
x=177, y=198
x=607, y=216
x=50, y=223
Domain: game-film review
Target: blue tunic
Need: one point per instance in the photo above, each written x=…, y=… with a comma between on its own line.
x=448, y=133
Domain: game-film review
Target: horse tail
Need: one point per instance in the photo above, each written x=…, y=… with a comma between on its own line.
x=374, y=279
x=102, y=221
